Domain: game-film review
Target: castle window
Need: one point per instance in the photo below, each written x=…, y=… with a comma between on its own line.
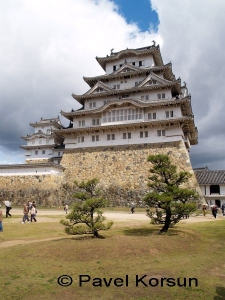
x=95, y=121
x=58, y=153
x=161, y=96
x=36, y=152
x=110, y=137
x=43, y=151
x=95, y=138
x=99, y=90
x=169, y=114
x=141, y=63
x=81, y=123
x=161, y=132
x=147, y=97
x=214, y=189
x=122, y=115
x=143, y=134
x=114, y=68
x=151, y=116
x=127, y=135
x=80, y=139
x=92, y=104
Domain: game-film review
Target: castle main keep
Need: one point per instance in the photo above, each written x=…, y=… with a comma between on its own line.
x=136, y=108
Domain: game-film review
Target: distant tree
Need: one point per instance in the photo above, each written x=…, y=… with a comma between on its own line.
x=87, y=211
x=167, y=195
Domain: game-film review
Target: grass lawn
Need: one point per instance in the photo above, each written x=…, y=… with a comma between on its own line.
x=32, y=261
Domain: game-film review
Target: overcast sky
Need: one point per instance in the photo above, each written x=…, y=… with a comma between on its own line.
x=48, y=46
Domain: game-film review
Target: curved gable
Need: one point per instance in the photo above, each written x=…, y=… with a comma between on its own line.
x=99, y=87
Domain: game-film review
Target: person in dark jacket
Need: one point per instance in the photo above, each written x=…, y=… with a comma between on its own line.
x=223, y=209
x=214, y=211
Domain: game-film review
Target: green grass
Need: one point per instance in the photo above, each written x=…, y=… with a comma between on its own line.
x=30, y=270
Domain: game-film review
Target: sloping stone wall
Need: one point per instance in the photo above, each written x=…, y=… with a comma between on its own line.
x=122, y=170
x=40, y=188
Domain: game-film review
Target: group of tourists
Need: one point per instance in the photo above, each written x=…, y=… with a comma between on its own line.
x=31, y=209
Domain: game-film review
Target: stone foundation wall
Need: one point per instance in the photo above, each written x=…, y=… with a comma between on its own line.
x=38, y=161
x=122, y=170
x=19, y=189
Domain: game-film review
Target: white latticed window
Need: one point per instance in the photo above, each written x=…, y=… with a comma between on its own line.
x=122, y=115
x=80, y=139
x=161, y=133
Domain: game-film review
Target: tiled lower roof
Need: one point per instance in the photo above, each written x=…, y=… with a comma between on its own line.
x=210, y=177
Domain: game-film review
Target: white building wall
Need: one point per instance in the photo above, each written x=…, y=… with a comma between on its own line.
x=44, y=129
x=171, y=134
x=147, y=61
x=29, y=171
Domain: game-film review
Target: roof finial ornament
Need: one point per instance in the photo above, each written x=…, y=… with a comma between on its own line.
x=185, y=84
x=153, y=43
x=111, y=51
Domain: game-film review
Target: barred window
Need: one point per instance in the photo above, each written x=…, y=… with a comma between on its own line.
x=122, y=115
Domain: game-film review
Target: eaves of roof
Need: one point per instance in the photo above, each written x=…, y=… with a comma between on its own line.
x=182, y=101
x=210, y=177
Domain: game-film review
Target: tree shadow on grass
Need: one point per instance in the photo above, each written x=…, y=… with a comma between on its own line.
x=220, y=293
x=150, y=231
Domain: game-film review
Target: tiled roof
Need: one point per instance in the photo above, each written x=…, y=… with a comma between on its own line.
x=210, y=177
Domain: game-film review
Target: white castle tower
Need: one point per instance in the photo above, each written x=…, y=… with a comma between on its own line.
x=44, y=145
x=137, y=101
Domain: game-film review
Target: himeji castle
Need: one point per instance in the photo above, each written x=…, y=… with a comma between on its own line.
x=137, y=101
x=137, y=107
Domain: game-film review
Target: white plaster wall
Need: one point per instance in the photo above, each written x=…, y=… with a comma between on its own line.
x=29, y=171
x=172, y=134
x=44, y=129
x=148, y=62
x=43, y=141
x=160, y=115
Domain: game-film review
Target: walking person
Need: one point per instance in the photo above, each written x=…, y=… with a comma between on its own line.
x=1, y=218
x=8, y=207
x=223, y=209
x=33, y=214
x=204, y=210
x=214, y=211
x=66, y=208
x=25, y=214
x=132, y=207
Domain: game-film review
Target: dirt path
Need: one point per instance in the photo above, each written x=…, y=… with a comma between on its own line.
x=55, y=215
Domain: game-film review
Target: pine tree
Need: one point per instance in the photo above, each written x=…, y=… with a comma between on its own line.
x=87, y=211
x=167, y=195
